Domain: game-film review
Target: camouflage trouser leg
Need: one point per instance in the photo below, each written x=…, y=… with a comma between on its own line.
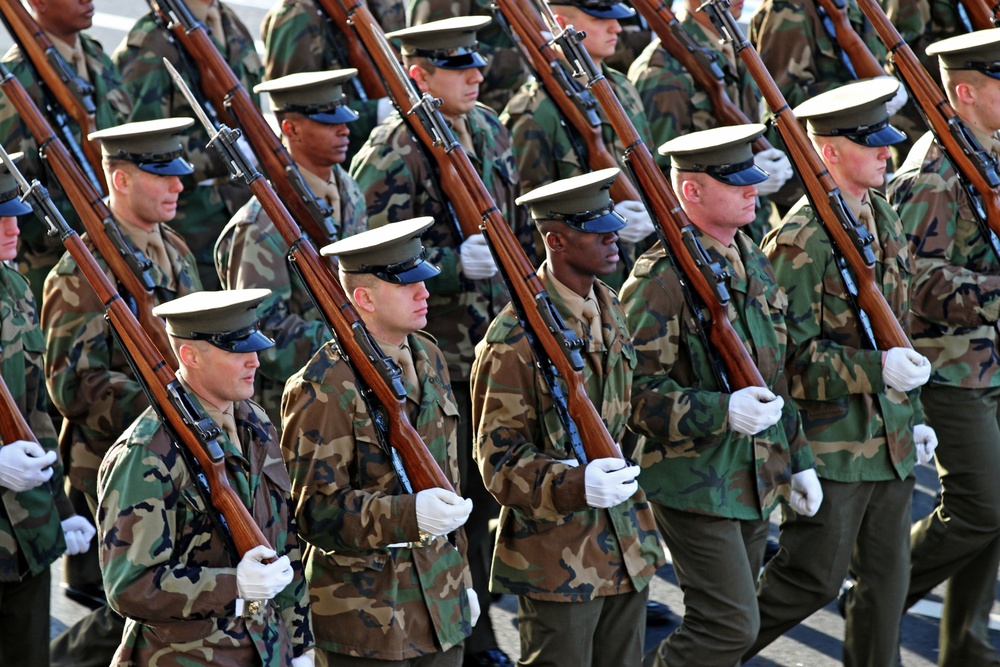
x=960, y=539
x=450, y=658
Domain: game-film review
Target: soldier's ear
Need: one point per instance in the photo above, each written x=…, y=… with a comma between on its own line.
x=690, y=190
x=121, y=179
x=418, y=74
x=188, y=354
x=364, y=299
x=555, y=241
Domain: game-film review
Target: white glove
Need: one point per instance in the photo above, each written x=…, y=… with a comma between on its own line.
x=778, y=169
x=304, y=660
x=382, y=109
x=24, y=465
x=807, y=492
x=926, y=441
x=753, y=409
x=258, y=581
x=639, y=226
x=440, y=511
x=477, y=260
x=899, y=100
x=609, y=481
x=904, y=369
x=78, y=533
x=473, y=605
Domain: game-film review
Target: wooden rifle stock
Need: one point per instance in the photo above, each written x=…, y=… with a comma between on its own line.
x=357, y=56
x=13, y=425
x=93, y=212
x=337, y=310
x=39, y=50
x=973, y=162
x=980, y=15
x=865, y=64
x=544, y=62
x=679, y=43
x=220, y=85
x=848, y=237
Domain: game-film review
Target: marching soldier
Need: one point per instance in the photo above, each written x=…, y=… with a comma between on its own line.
x=715, y=463
x=166, y=567
x=387, y=569
x=676, y=105
x=577, y=542
x=860, y=411
x=212, y=196
x=956, y=285
x=299, y=37
x=399, y=180
x=37, y=521
x=63, y=21
x=545, y=148
x=314, y=117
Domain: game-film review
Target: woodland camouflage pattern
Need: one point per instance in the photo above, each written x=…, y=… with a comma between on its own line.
x=202, y=210
x=298, y=37
x=550, y=544
x=251, y=253
x=399, y=183
x=860, y=430
x=676, y=105
x=545, y=151
x=87, y=372
x=692, y=460
x=31, y=537
x=956, y=277
x=165, y=566
x=369, y=598
x=38, y=252
x=505, y=71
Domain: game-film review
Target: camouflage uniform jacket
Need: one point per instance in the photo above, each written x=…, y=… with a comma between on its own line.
x=546, y=151
x=31, y=537
x=797, y=50
x=550, y=544
x=399, y=183
x=38, y=252
x=251, y=253
x=202, y=210
x=167, y=570
x=505, y=72
x=298, y=37
x=676, y=105
x=956, y=277
x=692, y=461
x=373, y=595
x=860, y=430
x=87, y=372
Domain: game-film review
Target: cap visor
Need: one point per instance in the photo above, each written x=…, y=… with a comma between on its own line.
x=752, y=175
x=610, y=222
x=464, y=61
x=13, y=207
x=342, y=114
x=176, y=167
x=887, y=136
x=422, y=271
x=615, y=11
x=254, y=342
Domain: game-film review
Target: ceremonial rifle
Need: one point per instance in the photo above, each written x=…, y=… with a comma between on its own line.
x=556, y=343
x=695, y=268
x=225, y=91
x=13, y=425
x=357, y=57
x=129, y=266
x=575, y=103
x=72, y=94
x=378, y=372
x=851, y=241
x=979, y=14
x=190, y=429
x=860, y=61
x=697, y=60
x=976, y=167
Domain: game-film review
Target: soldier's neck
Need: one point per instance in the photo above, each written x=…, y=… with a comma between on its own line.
x=128, y=217
x=318, y=169
x=580, y=283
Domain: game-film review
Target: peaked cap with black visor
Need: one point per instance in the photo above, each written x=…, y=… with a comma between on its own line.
x=10, y=193
x=855, y=110
x=601, y=9
x=448, y=44
x=318, y=96
x=979, y=50
x=392, y=253
x=152, y=145
x=725, y=153
x=227, y=319
x=583, y=202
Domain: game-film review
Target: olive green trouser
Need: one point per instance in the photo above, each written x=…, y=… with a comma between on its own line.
x=960, y=540
x=450, y=658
